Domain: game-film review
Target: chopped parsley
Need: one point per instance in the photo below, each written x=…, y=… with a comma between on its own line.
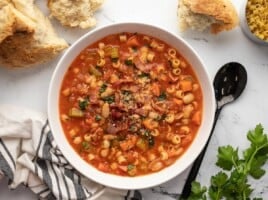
x=85, y=145
x=109, y=99
x=128, y=62
x=103, y=88
x=114, y=60
x=148, y=137
x=130, y=167
x=162, y=96
x=83, y=103
x=98, y=118
x=126, y=92
x=133, y=128
x=144, y=75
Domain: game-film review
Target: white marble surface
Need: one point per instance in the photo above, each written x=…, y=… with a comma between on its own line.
x=29, y=87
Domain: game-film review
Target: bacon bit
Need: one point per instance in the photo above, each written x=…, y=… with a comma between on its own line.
x=123, y=81
x=116, y=115
x=123, y=168
x=89, y=121
x=133, y=41
x=119, y=106
x=96, y=136
x=129, y=143
x=130, y=156
x=108, y=73
x=131, y=88
x=143, y=67
x=110, y=129
x=141, y=111
x=158, y=108
x=113, y=129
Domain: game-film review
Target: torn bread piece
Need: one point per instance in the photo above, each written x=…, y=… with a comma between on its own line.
x=216, y=15
x=75, y=13
x=32, y=39
x=11, y=20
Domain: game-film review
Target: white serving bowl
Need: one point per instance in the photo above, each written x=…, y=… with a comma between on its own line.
x=152, y=179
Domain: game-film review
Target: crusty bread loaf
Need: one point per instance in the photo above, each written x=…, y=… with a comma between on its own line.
x=28, y=37
x=75, y=13
x=218, y=15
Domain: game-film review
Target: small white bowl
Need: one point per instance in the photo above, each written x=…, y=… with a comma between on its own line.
x=152, y=179
x=245, y=27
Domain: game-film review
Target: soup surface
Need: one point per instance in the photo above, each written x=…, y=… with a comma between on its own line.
x=130, y=104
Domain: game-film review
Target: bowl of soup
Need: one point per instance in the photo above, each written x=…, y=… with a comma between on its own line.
x=130, y=105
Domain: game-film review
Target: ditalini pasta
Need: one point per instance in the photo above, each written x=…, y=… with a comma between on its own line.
x=257, y=18
x=130, y=104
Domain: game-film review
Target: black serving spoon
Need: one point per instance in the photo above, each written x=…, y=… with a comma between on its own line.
x=229, y=83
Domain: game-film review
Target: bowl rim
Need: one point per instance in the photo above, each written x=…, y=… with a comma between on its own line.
x=245, y=28
x=139, y=182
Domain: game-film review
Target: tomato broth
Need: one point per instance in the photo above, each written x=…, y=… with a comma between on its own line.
x=130, y=104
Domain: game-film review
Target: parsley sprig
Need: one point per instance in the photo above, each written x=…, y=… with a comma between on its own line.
x=232, y=182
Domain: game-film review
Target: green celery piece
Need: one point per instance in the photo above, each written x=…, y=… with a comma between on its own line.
x=75, y=112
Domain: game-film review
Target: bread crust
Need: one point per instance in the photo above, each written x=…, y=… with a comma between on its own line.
x=222, y=11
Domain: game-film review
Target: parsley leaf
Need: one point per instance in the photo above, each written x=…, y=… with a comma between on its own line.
x=162, y=96
x=227, y=157
x=103, y=88
x=83, y=103
x=198, y=192
x=109, y=99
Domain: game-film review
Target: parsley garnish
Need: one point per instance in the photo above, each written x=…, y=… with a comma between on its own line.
x=232, y=182
x=126, y=92
x=147, y=136
x=85, y=145
x=130, y=167
x=83, y=103
x=103, y=88
x=144, y=75
x=128, y=62
x=162, y=96
x=114, y=60
x=109, y=99
x=133, y=128
x=97, y=118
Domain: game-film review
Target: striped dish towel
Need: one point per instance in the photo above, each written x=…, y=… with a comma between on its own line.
x=29, y=156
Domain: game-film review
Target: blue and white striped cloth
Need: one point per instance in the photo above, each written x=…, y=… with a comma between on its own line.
x=29, y=156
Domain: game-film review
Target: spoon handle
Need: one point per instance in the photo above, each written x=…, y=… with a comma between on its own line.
x=197, y=163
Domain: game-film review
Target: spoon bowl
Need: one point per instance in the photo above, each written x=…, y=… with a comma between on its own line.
x=229, y=83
